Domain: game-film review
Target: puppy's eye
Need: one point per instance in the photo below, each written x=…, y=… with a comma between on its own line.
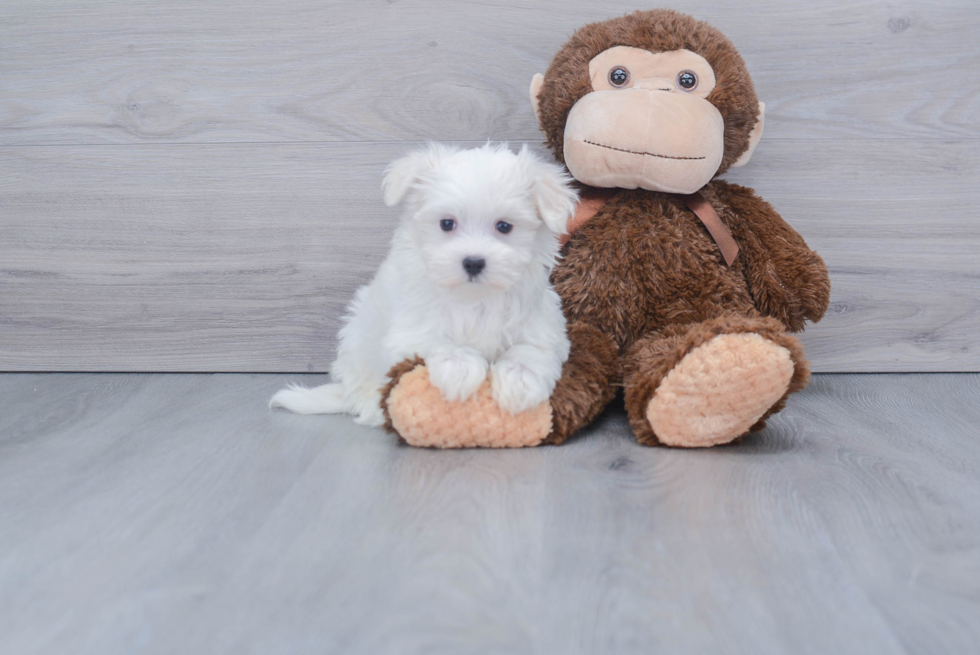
x=687, y=80
x=447, y=224
x=504, y=227
x=619, y=76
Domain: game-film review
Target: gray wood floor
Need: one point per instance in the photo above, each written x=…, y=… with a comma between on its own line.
x=176, y=514
x=190, y=186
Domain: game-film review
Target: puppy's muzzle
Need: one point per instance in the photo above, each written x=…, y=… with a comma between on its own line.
x=474, y=266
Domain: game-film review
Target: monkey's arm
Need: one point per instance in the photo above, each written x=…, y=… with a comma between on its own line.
x=788, y=280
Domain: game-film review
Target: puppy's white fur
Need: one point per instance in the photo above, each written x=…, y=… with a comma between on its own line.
x=506, y=321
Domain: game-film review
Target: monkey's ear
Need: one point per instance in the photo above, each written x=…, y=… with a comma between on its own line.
x=536, y=83
x=403, y=173
x=753, y=137
x=554, y=199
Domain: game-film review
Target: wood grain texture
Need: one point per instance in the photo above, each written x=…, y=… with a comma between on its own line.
x=302, y=70
x=175, y=513
x=242, y=257
x=194, y=186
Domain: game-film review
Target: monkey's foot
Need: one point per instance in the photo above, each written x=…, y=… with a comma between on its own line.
x=417, y=412
x=720, y=390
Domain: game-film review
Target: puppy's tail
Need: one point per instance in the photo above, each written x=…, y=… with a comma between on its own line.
x=325, y=399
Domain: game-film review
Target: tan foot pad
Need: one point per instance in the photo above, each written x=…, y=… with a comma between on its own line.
x=423, y=418
x=719, y=390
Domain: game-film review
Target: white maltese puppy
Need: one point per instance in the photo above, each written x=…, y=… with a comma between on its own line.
x=465, y=286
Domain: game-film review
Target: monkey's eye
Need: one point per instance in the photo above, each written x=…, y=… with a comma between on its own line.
x=447, y=224
x=504, y=227
x=687, y=80
x=619, y=76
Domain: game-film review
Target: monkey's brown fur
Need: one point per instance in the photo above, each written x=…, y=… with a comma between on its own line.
x=644, y=270
x=660, y=30
x=642, y=283
x=395, y=376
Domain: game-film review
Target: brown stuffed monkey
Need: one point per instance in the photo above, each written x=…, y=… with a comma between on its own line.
x=678, y=287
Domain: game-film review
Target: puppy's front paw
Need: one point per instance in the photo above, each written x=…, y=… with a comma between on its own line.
x=457, y=373
x=516, y=387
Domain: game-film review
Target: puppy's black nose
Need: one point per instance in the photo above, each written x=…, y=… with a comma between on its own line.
x=473, y=265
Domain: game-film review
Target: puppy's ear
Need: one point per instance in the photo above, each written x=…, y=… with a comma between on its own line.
x=554, y=198
x=403, y=173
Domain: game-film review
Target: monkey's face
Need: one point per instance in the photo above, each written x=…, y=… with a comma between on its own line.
x=653, y=100
x=646, y=123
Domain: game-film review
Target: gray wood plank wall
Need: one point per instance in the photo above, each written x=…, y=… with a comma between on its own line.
x=192, y=186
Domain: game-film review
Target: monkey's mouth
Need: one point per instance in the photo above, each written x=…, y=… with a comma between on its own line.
x=635, y=152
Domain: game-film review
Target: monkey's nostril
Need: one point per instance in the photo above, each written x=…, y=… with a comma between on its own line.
x=473, y=265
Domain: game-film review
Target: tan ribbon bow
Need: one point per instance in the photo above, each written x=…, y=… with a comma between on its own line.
x=593, y=200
